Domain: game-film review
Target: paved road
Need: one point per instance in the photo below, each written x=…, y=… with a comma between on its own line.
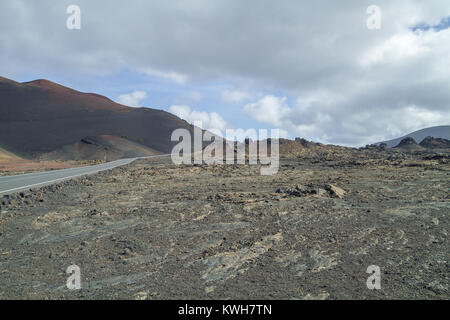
x=16, y=183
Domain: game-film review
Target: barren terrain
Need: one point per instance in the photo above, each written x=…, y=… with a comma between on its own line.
x=154, y=230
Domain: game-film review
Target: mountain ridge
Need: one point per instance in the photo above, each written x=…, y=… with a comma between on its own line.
x=41, y=116
x=418, y=135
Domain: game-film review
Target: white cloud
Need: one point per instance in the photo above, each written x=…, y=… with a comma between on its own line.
x=235, y=96
x=397, y=48
x=354, y=85
x=132, y=99
x=269, y=109
x=311, y=119
x=209, y=120
x=172, y=76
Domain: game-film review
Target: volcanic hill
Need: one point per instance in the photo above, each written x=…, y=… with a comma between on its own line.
x=41, y=117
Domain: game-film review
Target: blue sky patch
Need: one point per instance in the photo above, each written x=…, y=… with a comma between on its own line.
x=443, y=24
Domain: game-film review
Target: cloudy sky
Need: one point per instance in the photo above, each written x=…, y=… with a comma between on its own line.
x=313, y=70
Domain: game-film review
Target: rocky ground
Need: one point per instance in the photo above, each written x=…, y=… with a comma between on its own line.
x=154, y=230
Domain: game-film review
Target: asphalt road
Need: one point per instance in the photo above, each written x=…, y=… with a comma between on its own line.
x=17, y=183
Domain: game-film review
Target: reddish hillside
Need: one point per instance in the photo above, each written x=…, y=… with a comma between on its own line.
x=41, y=116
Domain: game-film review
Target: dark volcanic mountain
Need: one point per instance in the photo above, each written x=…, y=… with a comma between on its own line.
x=40, y=116
x=435, y=143
x=104, y=147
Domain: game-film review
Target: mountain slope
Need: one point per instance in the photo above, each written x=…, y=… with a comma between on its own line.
x=41, y=116
x=7, y=156
x=108, y=148
x=436, y=132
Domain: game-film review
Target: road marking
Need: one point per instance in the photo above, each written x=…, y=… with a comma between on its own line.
x=51, y=181
x=56, y=172
x=108, y=166
x=36, y=174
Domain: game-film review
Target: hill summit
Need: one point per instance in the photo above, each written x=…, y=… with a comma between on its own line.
x=435, y=143
x=408, y=143
x=40, y=117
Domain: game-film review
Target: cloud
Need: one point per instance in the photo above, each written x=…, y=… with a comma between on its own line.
x=209, y=120
x=172, y=76
x=132, y=99
x=353, y=85
x=397, y=48
x=235, y=96
x=270, y=109
x=308, y=119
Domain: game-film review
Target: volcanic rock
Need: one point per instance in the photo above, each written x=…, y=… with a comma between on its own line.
x=435, y=143
x=408, y=143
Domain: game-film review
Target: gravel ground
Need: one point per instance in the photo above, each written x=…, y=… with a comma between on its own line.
x=154, y=230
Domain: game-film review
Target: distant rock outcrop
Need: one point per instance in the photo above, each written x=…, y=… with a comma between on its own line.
x=409, y=143
x=375, y=147
x=305, y=143
x=437, y=132
x=435, y=143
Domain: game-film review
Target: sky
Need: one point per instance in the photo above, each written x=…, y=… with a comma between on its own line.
x=311, y=69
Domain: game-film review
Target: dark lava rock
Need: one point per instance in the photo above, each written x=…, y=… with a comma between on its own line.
x=305, y=143
x=5, y=200
x=335, y=191
x=435, y=143
x=374, y=147
x=408, y=143
x=327, y=190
